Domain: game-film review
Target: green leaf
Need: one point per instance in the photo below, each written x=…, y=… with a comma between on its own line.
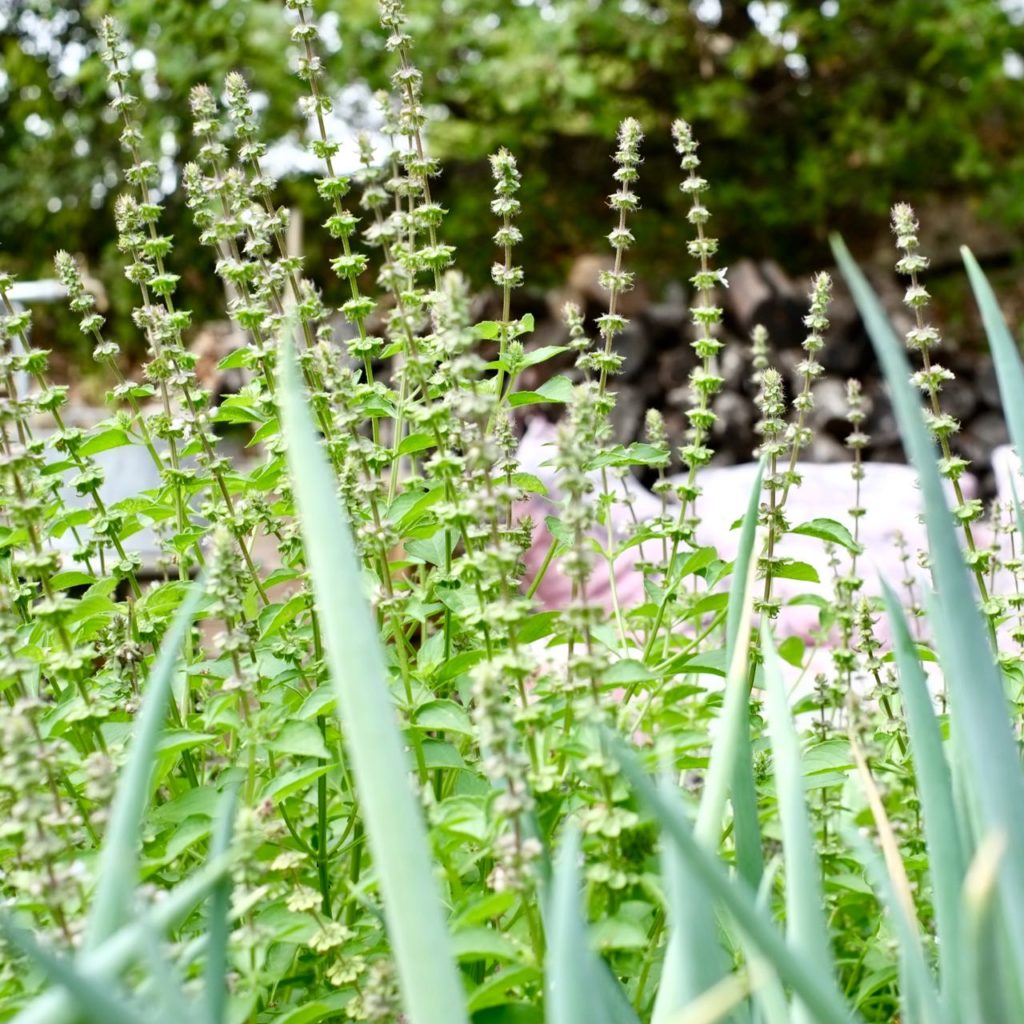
x=791, y=569
x=234, y=360
x=529, y=483
x=618, y=933
x=327, y=1009
x=558, y=389
x=281, y=787
x=174, y=741
x=494, y=991
x=103, y=440
x=199, y=802
x=434, y=548
x=302, y=739
x=484, y=944
x=831, y=531
x=510, y=1013
x=238, y=409
x=541, y=355
x=538, y=626
x=118, y=860
x=71, y=578
x=738, y=618
x=444, y=716
x=487, y=330
x=269, y=429
x=627, y=670
x=438, y=754
x=692, y=562
x=431, y=987
x=738, y=596
x=415, y=443
x=792, y=651
x=275, y=617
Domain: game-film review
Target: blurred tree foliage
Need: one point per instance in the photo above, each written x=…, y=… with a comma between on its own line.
x=813, y=116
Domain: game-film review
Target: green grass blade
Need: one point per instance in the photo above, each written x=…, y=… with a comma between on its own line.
x=568, y=980
x=740, y=569
x=123, y=948
x=430, y=982
x=694, y=958
x=693, y=962
x=95, y=999
x=746, y=825
x=806, y=927
x=978, y=704
x=163, y=994
x=1005, y=353
x=770, y=1005
x=918, y=997
x=574, y=989
x=728, y=753
x=946, y=862
x=118, y=860
x=983, y=986
x=716, y=1004
x=735, y=896
x=218, y=927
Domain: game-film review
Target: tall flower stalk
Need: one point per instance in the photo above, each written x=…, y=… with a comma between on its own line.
x=922, y=338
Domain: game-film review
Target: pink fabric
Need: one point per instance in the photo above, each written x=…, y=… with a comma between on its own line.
x=888, y=492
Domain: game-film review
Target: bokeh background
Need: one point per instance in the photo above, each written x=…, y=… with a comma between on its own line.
x=813, y=117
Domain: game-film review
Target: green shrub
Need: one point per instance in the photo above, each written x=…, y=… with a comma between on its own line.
x=333, y=762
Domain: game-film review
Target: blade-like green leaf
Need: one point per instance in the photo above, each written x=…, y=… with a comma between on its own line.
x=569, y=995
x=218, y=927
x=577, y=985
x=1005, y=354
x=694, y=958
x=946, y=862
x=95, y=1000
x=979, y=710
x=746, y=826
x=819, y=993
x=163, y=993
x=568, y=982
x=693, y=963
x=982, y=984
x=806, y=927
x=429, y=979
x=770, y=1005
x=740, y=570
x=717, y=1003
x=118, y=862
x=918, y=997
x=124, y=947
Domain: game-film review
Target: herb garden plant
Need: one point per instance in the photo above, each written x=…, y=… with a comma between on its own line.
x=328, y=759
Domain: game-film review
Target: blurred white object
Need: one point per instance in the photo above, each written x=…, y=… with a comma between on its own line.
x=1009, y=476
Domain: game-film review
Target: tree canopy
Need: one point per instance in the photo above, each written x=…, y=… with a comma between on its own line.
x=812, y=116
